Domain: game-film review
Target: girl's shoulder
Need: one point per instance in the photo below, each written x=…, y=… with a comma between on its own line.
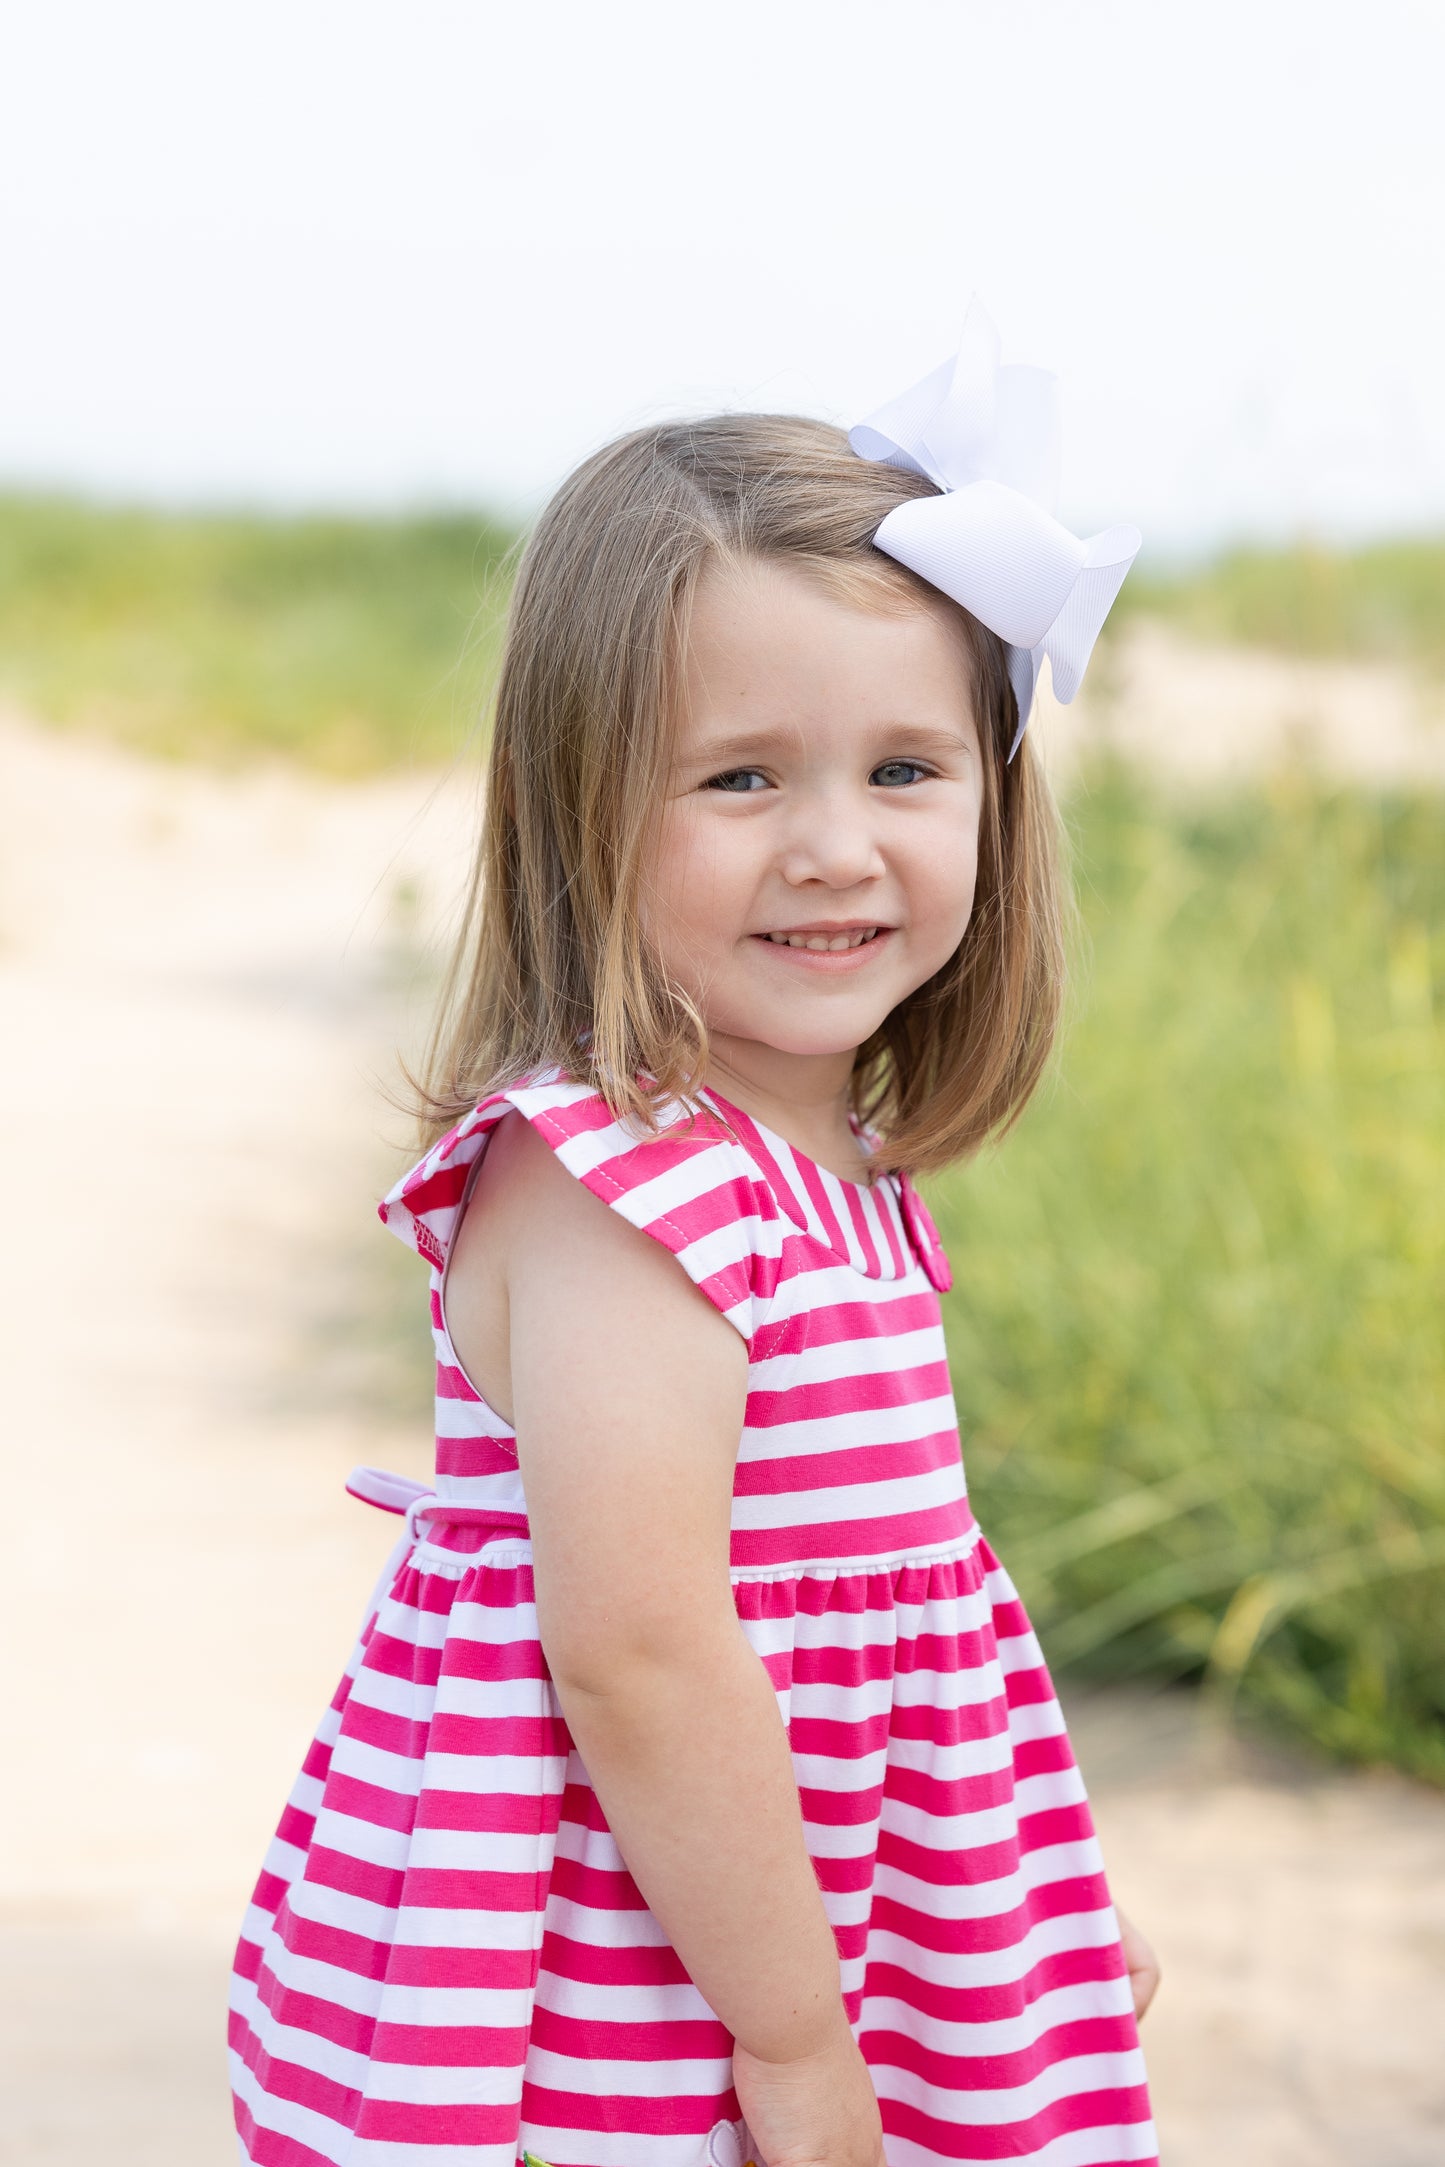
x=693, y=1186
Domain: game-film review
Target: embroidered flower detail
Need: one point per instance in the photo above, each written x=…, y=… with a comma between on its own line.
x=730, y=2144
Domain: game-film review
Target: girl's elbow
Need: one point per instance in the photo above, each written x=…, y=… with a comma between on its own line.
x=637, y=1662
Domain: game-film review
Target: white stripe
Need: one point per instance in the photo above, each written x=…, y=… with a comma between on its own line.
x=596, y=2078
x=917, y=1494
x=837, y=1432
x=1063, y=2079
x=822, y=1364
x=994, y=1967
x=1001, y=2035
x=960, y=1901
x=288, y=2118
x=1104, y=2147
x=416, y=1926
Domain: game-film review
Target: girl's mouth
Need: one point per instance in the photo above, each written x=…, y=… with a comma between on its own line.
x=827, y=951
x=827, y=943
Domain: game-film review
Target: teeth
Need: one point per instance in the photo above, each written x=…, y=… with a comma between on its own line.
x=825, y=943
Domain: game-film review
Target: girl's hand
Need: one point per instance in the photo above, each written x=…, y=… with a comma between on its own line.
x=818, y=2111
x=1143, y=1964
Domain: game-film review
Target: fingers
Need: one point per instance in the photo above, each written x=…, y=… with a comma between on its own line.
x=1140, y=1962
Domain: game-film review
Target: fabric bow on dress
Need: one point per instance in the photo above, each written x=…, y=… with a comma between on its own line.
x=988, y=437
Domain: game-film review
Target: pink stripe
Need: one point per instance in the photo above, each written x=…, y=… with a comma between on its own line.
x=768, y=1166
x=369, y=1802
x=494, y=1812
x=585, y=1117
x=459, y=2122
x=295, y=1827
x=539, y=1736
x=290, y=2080
x=863, y=1212
x=832, y=1324
x=940, y=1796
x=840, y=1809
x=994, y=1930
x=313, y=2013
x=597, y=1888
x=863, y=1393
x=595, y=1964
x=269, y=2148
x=946, y=1868
x=817, y=1189
x=945, y=1523
x=969, y=2073
x=803, y=1474
x=495, y=1660
x=676, y=2115
x=888, y=1213
x=923, y=1991
x=408, y=1964
x=451, y=2046
x=660, y=2039
x=1016, y=2140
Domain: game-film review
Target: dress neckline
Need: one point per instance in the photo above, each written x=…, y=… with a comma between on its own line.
x=865, y=1225
x=775, y=1137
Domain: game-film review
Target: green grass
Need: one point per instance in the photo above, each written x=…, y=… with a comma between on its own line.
x=1387, y=601
x=1197, y=1325
x=1197, y=1319
x=349, y=644
x=358, y=644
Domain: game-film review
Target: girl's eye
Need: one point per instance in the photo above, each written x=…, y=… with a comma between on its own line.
x=894, y=773
x=738, y=780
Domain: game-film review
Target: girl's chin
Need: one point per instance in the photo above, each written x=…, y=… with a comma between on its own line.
x=803, y=1038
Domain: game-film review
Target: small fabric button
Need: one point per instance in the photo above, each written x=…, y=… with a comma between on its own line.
x=925, y=1236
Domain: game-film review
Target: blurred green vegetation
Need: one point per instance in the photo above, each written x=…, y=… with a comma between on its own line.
x=1198, y=1322
x=351, y=644
x=357, y=644
x=1387, y=601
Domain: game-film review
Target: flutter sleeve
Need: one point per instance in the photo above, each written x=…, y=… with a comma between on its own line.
x=693, y=1187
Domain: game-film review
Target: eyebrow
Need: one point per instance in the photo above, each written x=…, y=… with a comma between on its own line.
x=718, y=752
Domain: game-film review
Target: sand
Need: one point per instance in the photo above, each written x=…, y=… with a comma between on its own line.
x=202, y=981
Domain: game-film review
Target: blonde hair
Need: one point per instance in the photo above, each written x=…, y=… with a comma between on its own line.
x=550, y=965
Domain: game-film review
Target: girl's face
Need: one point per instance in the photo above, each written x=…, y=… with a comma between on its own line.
x=819, y=843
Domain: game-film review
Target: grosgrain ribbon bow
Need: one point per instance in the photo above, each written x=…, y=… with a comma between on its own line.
x=988, y=437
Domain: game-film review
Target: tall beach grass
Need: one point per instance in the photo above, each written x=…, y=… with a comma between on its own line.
x=1197, y=1322
x=1386, y=601
x=346, y=644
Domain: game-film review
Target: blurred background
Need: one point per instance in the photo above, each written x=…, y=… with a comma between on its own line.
x=307, y=308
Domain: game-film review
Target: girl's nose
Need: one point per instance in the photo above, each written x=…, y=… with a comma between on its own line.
x=832, y=841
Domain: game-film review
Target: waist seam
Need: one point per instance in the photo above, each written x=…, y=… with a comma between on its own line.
x=500, y=1548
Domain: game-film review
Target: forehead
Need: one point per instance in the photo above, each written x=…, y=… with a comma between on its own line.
x=772, y=639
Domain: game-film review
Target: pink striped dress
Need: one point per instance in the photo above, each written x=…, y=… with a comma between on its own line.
x=446, y=1960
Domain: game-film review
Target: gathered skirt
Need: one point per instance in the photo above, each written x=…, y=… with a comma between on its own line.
x=446, y=1959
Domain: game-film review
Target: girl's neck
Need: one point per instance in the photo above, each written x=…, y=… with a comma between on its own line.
x=804, y=1098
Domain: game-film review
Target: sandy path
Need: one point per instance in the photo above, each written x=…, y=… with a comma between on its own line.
x=1200, y=716
x=200, y=981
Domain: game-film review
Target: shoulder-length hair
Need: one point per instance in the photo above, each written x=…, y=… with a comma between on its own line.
x=550, y=965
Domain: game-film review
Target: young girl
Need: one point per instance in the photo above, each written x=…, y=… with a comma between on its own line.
x=696, y=1793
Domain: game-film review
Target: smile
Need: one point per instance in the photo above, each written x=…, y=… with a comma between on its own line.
x=826, y=943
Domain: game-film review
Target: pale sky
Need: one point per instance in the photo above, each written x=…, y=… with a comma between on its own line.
x=334, y=252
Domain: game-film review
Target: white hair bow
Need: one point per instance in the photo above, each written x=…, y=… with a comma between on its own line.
x=989, y=438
